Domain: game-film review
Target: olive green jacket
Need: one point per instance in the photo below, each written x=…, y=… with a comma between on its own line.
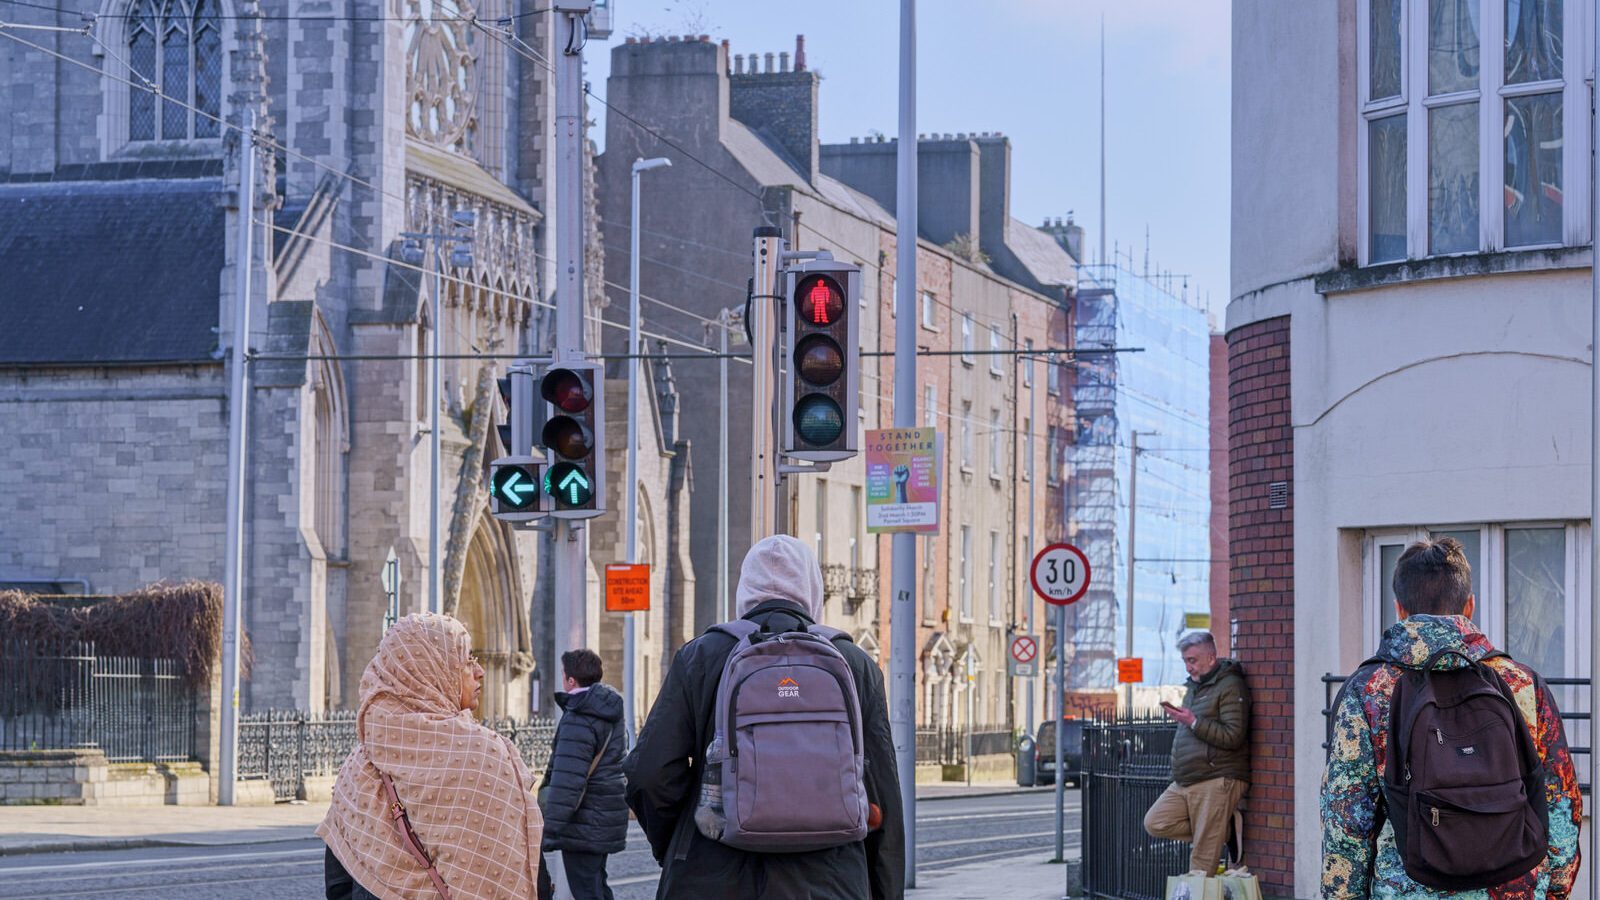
x=1218, y=746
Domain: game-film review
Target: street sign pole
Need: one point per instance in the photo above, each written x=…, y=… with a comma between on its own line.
x=1061, y=715
x=1060, y=574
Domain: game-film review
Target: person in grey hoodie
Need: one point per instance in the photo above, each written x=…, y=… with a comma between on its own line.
x=780, y=588
x=584, y=813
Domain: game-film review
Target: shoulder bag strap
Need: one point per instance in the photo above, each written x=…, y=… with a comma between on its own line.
x=408, y=837
x=594, y=764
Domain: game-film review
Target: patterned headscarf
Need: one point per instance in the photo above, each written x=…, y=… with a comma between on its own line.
x=465, y=788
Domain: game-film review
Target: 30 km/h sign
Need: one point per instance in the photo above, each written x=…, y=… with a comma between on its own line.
x=1060, y=574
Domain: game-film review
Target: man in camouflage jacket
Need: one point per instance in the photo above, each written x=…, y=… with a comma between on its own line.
x=1359, y=856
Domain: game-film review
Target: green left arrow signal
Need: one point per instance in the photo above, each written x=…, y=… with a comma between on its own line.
x=515, y=486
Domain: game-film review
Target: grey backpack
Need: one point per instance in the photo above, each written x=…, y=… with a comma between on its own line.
x=784, y=772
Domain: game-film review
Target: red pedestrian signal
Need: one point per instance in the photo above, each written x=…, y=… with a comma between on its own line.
x=822, y=355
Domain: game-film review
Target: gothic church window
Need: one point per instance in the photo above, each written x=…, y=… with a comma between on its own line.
x=441, y=74
x=175, y=46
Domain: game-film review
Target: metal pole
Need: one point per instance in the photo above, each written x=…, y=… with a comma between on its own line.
x=1102, y=258
x=724, y=608
x=569, y=551
x=1133, y=519
x=435, y=586
x=1594, y=481
x=1033, y=421
x=903, y=568
x=238, y=409
x=767, y=251
x=1061, y=716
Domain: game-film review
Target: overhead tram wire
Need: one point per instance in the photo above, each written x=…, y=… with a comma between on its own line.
x=267, y=141
x=266, y=17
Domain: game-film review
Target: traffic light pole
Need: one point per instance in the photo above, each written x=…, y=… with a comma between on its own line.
x=903, y=569
x=238, y=409
x=569, y=555
x=765, y=487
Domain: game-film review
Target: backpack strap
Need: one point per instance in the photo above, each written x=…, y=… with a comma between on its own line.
x=739, y=629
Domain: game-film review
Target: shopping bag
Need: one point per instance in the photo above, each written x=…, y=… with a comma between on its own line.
x=1193, y=887
x=1239, y=886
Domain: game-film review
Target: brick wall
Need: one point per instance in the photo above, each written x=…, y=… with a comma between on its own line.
x=1261, y=453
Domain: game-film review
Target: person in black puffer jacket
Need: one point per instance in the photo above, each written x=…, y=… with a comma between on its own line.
x=585, y=815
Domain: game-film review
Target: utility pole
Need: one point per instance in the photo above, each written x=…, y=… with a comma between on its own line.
x=238, y=409
x=569, y=551
x=1594, y=484
x=435, y=574
x=631, y=511
x=1033, y=412
x=1133, y=519
x=903, y=569
x=726, y=319
x=764, y=483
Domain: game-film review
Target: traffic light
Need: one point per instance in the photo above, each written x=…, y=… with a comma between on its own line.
x=573, y=432
x=822, y=353
x=515, y=480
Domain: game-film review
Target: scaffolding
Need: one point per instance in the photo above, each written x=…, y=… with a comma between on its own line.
x=1162, y=392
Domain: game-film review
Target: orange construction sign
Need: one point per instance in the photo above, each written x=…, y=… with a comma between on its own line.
x=1130, y=669
x=627, y=587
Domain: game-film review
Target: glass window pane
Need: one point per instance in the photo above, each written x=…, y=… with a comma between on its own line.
x=1386, y=164
x=175, y=83
x=1533, y=40
x=1536, y=598
x=1388, y=557
x=208, y=69
x=1385, y=50
x=1533, y=170
x=1452, y=46
x=142, y=103
x=1453, y=178
x=1472, y=545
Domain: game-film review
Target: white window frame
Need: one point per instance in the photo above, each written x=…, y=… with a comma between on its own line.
x=930, y=311
x=930, y=406
x=965, y=585
x=1491, y=93
x=1052, y=475
x=995, y=443
x=1027, y=433
x=1491, y=604
x=966, y=436
x=994, y=351
x=994, y=578
x=1052, y=377
x=928, y=595
x=1027, y=362
x=966, y=340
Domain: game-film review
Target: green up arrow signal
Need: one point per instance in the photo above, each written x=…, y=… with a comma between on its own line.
x=569, y=484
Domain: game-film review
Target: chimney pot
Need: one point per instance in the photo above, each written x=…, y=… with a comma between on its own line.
x=689, y=38
x=631, y=41
x=706, y=39
x=855, y=140
x=672, y=39
x=799, y=53
x=783, y=61
x=738, y=64
x=769, y=69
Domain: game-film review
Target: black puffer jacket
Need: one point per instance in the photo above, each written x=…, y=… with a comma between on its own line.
x=664, y=785
x=592, y=820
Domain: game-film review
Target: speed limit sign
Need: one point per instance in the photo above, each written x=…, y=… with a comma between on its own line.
x=1060, y=574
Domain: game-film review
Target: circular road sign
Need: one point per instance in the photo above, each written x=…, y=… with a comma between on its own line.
x=1024, y=648
x=1060, y=574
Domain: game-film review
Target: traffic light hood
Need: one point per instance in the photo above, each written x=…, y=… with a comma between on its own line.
x=780, y=568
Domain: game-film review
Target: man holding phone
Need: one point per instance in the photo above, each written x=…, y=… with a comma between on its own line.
x=1210, y=755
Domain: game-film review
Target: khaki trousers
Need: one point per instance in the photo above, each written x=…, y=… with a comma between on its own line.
x=1200, y=813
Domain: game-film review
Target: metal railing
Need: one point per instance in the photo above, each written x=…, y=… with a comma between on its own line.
x=1564, y=689
x=1126, y=766
x=65, y=697
x=950, y=746
x=286, y=747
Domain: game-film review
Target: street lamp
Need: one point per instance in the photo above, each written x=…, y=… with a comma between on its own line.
x=459, y=239
x=632, y=494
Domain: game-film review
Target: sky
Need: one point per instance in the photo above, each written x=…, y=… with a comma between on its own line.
x=1029, y=69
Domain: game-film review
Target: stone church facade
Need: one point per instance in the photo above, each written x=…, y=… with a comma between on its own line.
x=119, y=218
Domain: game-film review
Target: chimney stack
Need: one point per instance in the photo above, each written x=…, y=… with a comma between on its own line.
x=799, y=53
x=769, y=68
x=738, y=64
x=783, y=61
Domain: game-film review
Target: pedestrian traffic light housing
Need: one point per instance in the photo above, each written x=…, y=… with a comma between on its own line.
x=573, y=436
x=516, y=489
x=516, y=394
x=822, y=359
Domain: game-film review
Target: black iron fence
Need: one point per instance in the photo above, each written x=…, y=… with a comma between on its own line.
x=1566, y=694
x=286, y=747
x=65, y=697
x=951, y=746
x=1126, y=766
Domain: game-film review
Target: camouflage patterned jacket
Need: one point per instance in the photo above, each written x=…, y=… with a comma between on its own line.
x=1359, y=860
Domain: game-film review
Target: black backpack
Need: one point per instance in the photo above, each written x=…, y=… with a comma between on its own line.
x=1463, y=782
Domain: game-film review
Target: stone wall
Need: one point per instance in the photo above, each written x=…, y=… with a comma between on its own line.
x=84, y=778
x=1261, y=538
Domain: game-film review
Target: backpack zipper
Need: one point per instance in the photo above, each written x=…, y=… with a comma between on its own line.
x=1436, y=817
x=1440, y=733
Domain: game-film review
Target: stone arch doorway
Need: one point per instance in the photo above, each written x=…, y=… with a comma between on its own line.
x=490, y=606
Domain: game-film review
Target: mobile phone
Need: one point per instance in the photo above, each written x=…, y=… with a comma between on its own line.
x=1168, y=705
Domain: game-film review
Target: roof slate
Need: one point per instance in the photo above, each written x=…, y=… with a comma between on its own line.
x=110, y=272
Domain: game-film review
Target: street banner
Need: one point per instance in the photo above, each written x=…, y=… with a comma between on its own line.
x=627, y=587
x=903, y=467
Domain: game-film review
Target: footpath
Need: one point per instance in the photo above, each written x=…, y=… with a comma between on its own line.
x=1020, y=877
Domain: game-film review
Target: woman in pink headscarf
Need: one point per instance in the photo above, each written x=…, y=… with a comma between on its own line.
x=466, y=794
